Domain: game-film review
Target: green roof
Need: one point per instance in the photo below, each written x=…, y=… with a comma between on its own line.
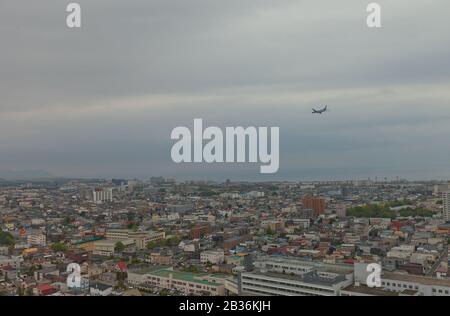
x=149, y=270
x=86, y=240
x=186, y=276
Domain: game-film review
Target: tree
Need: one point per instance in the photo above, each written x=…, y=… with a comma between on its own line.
x=120, y=285
x=119, y=247
x=67, y=221
x=29, y=291
x=192, y=269
x=164, y=292
x=6, y=239
x=59, y=247
x=121, y=276
x=135, y=261
x=132, y=226
x=20, y=291
x=172, y=241
x=383, y=210
x=156, y=244
x=270, y=232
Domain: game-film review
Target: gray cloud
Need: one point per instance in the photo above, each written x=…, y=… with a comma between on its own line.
x=102, y=100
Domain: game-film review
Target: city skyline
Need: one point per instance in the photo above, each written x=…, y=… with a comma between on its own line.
x=43, y=175
x=234, y=240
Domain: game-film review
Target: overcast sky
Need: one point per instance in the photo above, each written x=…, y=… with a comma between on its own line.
x=101, y=101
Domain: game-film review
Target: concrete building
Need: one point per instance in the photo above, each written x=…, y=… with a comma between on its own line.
x=199, y=231
x=415, y=285
x=363, y=290
x=36, y=238
x=446, y=203
x=439, y=188
x=102, y=195
x=297, y=266
x=161, y=259
x=282, y=265
x=106, y=248
x=212, y=256
x=293, y=277
x=14, y=262
x=187, y=283
x=140, y=238
x=100, y=289
x=309, y=284
x=316, y=204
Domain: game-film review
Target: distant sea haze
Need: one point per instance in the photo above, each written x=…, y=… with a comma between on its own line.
x=24, y=174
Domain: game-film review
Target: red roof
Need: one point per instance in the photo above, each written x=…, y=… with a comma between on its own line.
x=43, y=287
x=46, y=289
x=7, y=268
x=122, y=266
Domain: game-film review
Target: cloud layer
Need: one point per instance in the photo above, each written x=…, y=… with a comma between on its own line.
x=102, y=100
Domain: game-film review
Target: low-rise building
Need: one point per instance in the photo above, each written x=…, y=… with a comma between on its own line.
x=212, y=256
x=100, y=289
x=185, y=282
x=424, y=286
x=310, y=284
x=140, y=238
x=107, y=248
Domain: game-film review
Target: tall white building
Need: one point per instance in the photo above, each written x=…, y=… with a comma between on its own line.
x=446, y=202
x=36, y=238
x=101, y=195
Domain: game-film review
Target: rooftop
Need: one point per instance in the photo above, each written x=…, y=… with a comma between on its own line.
x=365, y=290
x=311, y=277
x=166, y=272
x=416, y=279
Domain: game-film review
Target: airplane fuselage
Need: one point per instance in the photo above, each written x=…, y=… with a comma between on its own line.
x=319, y=111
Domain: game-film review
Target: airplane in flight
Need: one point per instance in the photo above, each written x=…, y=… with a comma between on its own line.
x=325, y=109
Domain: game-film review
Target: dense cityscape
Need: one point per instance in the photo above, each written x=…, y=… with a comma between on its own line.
x=162, y=237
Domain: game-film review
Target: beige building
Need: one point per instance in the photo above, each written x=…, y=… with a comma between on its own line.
x=107, y=247
x=160, y=259
x=36, y=238
x=140, y=238
x=212, y=256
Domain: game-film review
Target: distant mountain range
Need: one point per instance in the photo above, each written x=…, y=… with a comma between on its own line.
x=24, y=175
